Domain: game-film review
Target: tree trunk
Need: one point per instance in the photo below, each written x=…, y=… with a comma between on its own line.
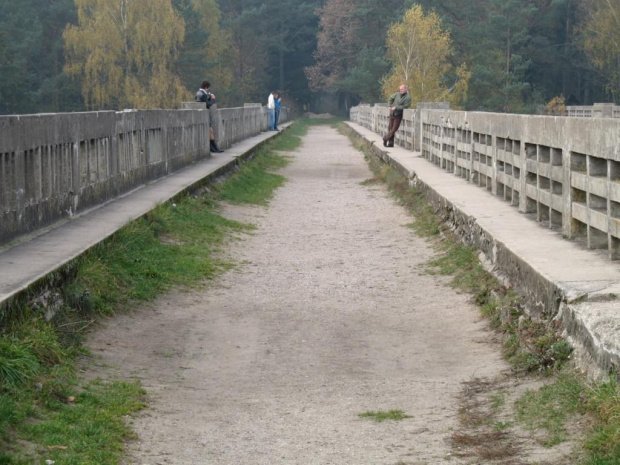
x=281, y=67
x=507, y=82
x=566, y=61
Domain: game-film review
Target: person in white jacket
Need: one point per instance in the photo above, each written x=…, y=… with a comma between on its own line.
x=271, y=108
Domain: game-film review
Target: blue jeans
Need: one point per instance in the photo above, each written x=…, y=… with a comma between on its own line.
x=272, y=120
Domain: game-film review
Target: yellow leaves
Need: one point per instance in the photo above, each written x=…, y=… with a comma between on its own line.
x=556, y=106
x=220, y=52
x=122, y=52
x=457, y=94
x=209, y=12
x=418, y=49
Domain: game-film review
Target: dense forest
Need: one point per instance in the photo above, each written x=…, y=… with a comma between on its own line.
x=495, y=55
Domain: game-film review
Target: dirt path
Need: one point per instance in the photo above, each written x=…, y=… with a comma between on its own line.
x=329, y=317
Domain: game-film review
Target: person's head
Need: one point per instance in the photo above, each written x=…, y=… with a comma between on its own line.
x=403, y=88
x=205, y=84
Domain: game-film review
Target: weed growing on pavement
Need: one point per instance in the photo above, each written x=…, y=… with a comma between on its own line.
x=530, y=346
x=394, y=415
x=46, y=411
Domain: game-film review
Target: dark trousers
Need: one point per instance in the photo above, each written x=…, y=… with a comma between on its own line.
x=392, y=128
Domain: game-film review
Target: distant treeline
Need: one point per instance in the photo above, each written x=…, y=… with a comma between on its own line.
x=497, y=55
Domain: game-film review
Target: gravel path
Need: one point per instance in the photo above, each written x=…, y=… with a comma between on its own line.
x=330, y=315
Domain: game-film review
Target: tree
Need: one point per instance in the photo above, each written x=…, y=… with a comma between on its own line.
x=273, y=40
x=31, y=62
x=363, y=78
x=418, y=48
x=336, y=45
x=601, y=39
x=122, y=53
x=207, y=48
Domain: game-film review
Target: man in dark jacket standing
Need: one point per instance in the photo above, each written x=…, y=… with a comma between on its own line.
x=397, y=103
x=204, y=94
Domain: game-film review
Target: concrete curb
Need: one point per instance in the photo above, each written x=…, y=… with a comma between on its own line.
x=588, y=312
x=37, y=264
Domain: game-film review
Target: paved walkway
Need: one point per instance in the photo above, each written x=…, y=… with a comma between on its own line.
x=580, y=275
x=33, y=258
x=330, y=315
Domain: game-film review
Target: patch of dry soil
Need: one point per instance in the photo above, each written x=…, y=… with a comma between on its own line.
x=330, y=316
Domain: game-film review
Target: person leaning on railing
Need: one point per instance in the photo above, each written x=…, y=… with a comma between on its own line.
x=397, y=103
x=204, y=94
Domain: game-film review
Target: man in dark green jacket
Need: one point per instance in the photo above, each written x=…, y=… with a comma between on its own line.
x=397, y=103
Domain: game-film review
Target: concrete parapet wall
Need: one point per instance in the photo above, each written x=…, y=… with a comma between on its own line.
x=55, y=165
x=563, y=172
x=377, y=120
x=598, y=110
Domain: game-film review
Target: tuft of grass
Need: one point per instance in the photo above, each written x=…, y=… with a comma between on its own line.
x=549, y=408
x=461, y=262
x=92, y=429
x=603, y=444
x=18, y=365
x=393, y=415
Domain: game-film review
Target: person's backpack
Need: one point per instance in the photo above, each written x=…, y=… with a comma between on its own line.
x=203, y=96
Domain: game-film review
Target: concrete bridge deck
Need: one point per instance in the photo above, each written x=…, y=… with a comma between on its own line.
x=329, y=317
x=29, y=260
x=560, y=278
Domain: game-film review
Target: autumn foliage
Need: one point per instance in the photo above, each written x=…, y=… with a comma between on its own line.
x=418, y=48
x=122, y=53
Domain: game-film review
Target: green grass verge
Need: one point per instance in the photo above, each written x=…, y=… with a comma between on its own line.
x=533, y=347
x=46, y=411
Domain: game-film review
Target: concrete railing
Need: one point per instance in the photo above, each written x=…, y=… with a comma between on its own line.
x=564, y=172
x=55, y=165
x=598, y=110
x=377, y=119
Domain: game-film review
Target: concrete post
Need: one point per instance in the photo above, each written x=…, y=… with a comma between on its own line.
x=603, y=110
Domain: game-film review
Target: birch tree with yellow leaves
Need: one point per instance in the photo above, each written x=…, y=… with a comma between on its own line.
x=122, y=51
x=418, y=49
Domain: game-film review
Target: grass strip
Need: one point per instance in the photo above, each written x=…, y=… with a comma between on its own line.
x=530, y=346
x=46, y=411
